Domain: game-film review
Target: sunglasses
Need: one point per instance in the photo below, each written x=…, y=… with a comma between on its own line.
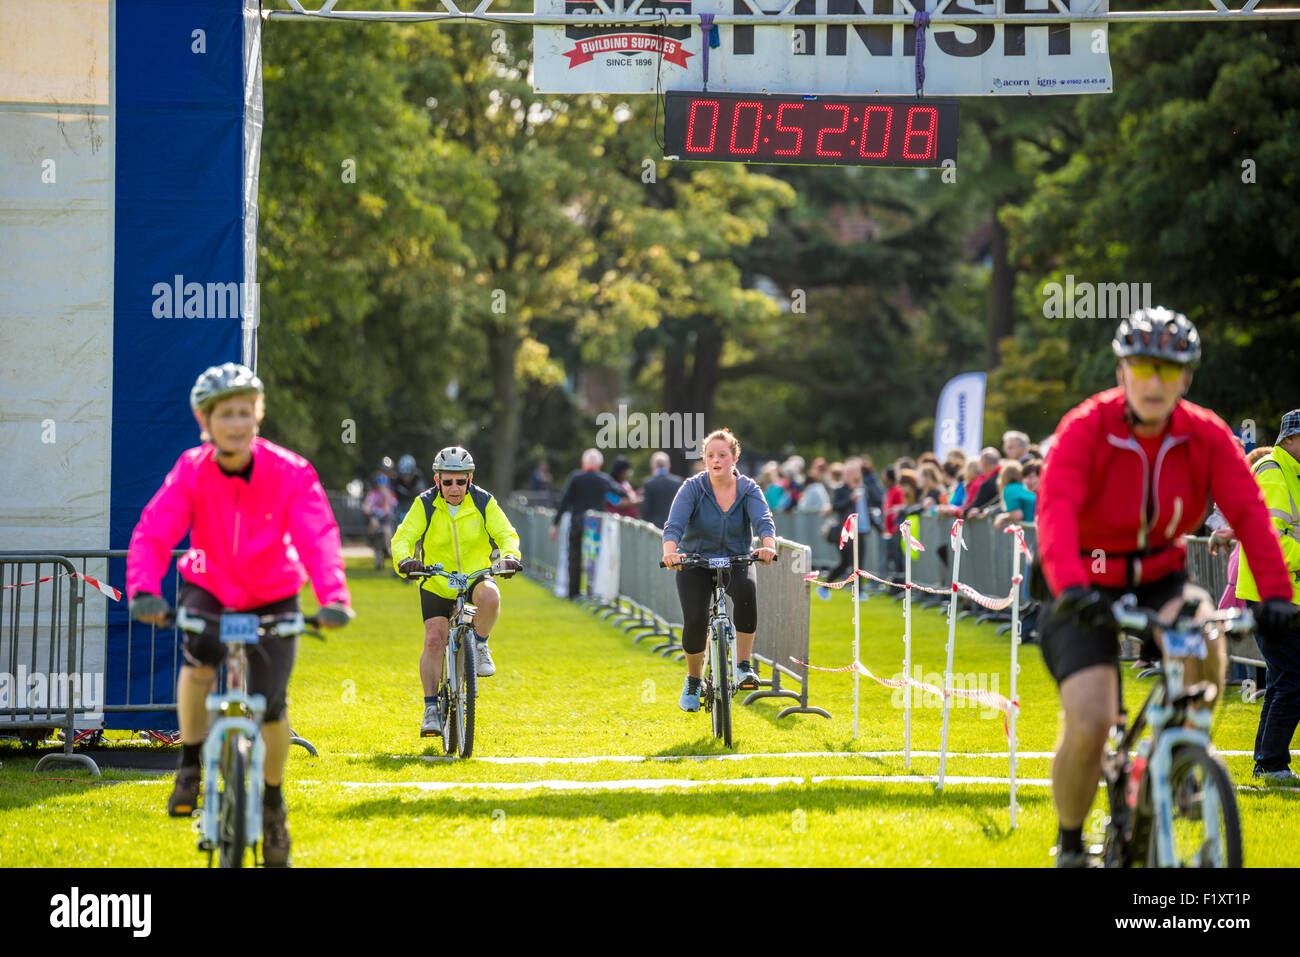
x=455, y=481
x=1146, y=368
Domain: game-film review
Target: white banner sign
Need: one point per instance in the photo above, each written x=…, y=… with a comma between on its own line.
x=959, y=419
x=990, y=59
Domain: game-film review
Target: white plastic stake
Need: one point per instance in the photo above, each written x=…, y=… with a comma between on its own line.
x=907, y=653
x=856, y=628
x=1015, y=663
x=952, y=641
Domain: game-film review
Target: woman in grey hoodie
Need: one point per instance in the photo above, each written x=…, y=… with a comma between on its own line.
x=716, y=513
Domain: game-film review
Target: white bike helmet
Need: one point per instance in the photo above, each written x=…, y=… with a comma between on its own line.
x=453, y=459
x=221, y=382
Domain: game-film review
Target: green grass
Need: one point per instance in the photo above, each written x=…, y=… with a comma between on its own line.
x=569, y=685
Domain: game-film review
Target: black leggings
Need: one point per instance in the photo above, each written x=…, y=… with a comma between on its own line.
x=695, y=589
x=269, y=661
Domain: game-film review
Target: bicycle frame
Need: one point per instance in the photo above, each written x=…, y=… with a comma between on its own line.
x=719, y=620
x=1166, y=713
x=236, y=717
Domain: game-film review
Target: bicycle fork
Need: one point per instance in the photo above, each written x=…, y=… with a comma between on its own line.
x=229, y=730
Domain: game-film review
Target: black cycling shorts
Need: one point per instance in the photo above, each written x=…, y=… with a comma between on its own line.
x=435, y=606
x=695, y=589
x=270, y=661
x=1069, y=647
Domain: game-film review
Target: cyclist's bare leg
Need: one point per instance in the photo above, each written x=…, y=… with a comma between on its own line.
x=744, y=646
x=192, y=690
x=1088, y=699
x=487, y=599
x=435, y=643
x=1214, y=667
x=695, y=665
x=276, y=736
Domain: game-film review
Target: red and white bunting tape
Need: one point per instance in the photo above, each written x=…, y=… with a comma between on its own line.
x=850, y=527
x=107, y=590
x=812, y=577
x=957, y=537
x=989, y=699
x=905, y=529
x=993, y=604
x=1020, y=540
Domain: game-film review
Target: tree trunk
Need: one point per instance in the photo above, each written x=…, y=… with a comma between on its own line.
x=1002, y=319
x=503, y=344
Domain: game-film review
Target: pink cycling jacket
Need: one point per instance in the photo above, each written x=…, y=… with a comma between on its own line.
x=251, y=542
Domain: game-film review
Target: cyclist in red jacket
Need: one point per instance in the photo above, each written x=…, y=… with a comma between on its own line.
x=1132, y=471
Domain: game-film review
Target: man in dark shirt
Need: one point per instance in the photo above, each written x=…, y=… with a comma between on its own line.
x=587, y=489
x=659, y=491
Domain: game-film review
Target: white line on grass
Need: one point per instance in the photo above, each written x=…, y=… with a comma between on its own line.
x=630, y=784
x=638, y=758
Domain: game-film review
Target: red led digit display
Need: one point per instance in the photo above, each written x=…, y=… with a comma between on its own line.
x=823, y=130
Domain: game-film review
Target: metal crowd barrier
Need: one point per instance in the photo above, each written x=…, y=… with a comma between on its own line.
x=1211, y=573
x=785, y=626
x=40, y=652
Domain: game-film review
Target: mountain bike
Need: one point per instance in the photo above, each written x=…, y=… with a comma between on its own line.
x=458, y=688
x=234, y=753
x=719, y=682
x=1174, y=804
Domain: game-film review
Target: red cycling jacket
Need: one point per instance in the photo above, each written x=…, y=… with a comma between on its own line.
x=1094, y=493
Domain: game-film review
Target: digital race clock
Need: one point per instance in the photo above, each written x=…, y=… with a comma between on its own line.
x=825, y=130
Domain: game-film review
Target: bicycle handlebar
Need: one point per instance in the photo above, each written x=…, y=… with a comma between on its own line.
x=1141, y=621
x=284, y=625
x=696, y=560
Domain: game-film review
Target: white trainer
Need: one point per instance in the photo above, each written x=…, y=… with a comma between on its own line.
x=431, y=726
x=486, y=666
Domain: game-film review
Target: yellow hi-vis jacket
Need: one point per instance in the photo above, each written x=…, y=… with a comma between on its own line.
x=462, y=544
x=1278, y=475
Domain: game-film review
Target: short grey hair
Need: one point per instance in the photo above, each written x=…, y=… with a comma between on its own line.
x=593, y=457
x=1018, y=436
x=660, y=460
x=990, y=456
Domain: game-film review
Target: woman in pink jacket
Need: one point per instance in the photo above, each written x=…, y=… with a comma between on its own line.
x=259, y=526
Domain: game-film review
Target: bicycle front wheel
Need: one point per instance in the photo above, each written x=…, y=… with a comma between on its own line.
x=721, y=686
x=1206, y=827
x=232, y=816
x=467, y=691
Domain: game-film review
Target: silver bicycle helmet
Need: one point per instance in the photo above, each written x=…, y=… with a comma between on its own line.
x=1158, y=333
x=453, y=459
x=221, y=382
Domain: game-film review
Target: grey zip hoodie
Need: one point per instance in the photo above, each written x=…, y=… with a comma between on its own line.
x=697, y=523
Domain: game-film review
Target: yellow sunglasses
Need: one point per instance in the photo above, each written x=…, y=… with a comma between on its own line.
x=1146, y=368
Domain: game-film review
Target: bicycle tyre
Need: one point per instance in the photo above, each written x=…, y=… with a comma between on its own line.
x=1187, y=760
x=722, y=687
x=447, y=695
x=467, y=655
x=1115, y=849
x=232, y=816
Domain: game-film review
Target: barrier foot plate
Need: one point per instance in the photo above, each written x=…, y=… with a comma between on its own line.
x=800, y=710
x=783, y=693
x=305, y=745
x=64, y=758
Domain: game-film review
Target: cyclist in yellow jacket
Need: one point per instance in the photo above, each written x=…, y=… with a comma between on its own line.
x=460, y=526
x=1278, y=475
